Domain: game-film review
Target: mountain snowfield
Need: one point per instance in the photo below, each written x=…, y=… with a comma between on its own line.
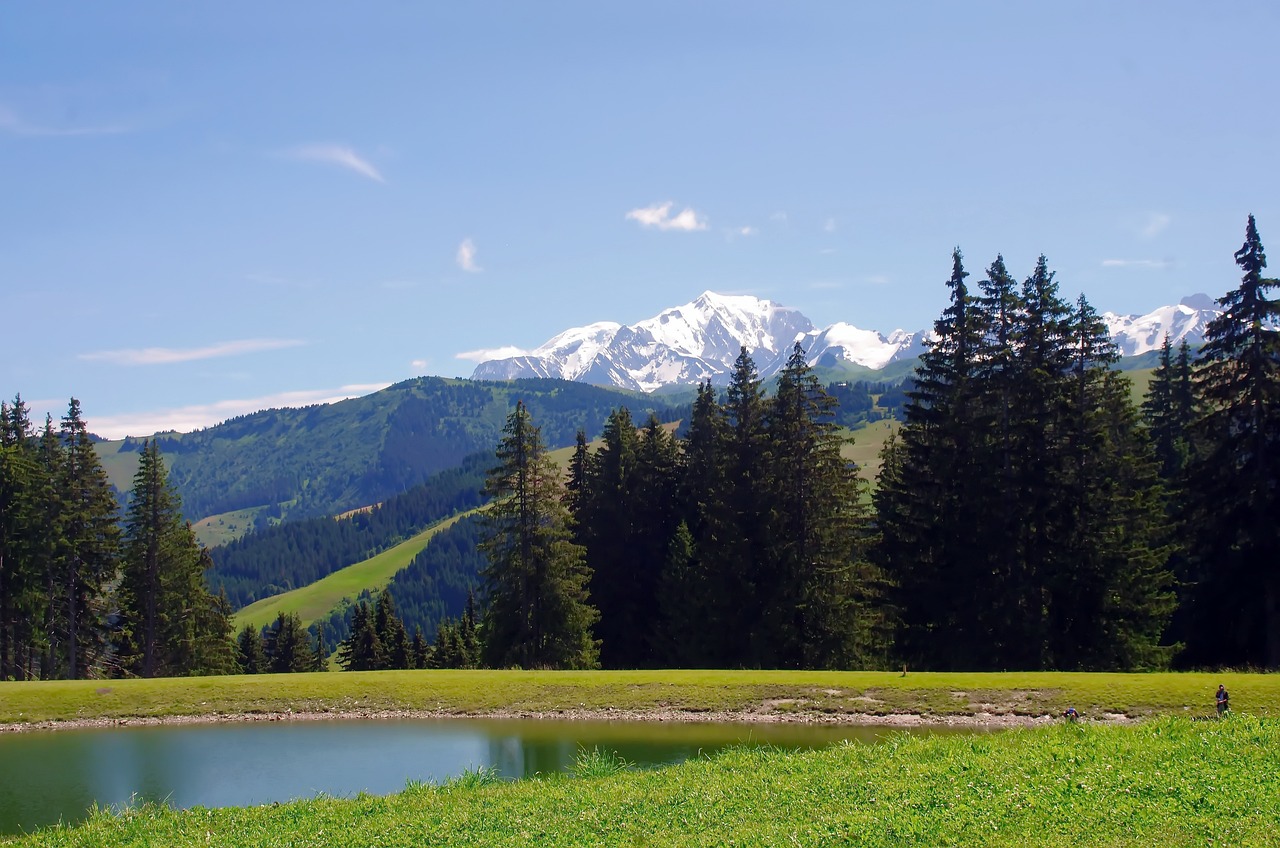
x=685, y=345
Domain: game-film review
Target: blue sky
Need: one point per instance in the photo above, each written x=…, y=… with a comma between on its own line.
x=211, y=208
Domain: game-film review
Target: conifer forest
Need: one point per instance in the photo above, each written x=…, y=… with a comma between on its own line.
x=1029, y=514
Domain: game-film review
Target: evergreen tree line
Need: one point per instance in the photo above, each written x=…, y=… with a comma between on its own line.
x=83, y=593
x=1030, y=518
x=284, y=646
x=298, y=553
x=379, y=639
x=742, y=543
x=1027, y=515
x=432, y=588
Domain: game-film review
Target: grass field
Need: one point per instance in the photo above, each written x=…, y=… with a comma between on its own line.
x=798, y=694
x=225, y=527
x=318, y=599
x=1171, y=782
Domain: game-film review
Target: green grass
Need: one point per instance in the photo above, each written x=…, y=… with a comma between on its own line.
x=1171, y=783
x=817, y=694
x=225, y=527
x=867, y=442
x=318, y=599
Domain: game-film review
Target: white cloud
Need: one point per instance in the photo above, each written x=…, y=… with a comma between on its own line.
x=829, y=226
x=747, y=231
x=1137, y=263
x=187, y=418
x=1156, y=224
x=336, y=154
x=659, y=217
x=11, y=123
x=486, y=354
x=419, y=364
x=170, y=355
x=467, y=257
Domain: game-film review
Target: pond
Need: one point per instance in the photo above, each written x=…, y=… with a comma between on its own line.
x=46, y=777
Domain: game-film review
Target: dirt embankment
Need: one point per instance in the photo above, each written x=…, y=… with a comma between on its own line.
x=765, y=714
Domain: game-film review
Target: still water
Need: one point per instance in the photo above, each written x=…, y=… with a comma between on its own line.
x=48, y=777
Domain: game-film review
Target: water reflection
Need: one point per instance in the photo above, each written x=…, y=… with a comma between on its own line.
x=47, y=777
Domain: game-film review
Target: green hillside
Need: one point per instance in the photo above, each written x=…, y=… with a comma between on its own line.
x=326, y=459
x=318, y=599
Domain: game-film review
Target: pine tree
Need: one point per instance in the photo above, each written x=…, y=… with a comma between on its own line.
x=695, y=590
x=287, y=645
x=537, y=613
x=90, y=536
x=740, y=556
x=421, y=652
x=1169, y=410
x=362, y=650
x=391, y=633
x=251, y=655
x=20, y=534
x=606, y=528
x=1110, y=592
x=655, y=496
x=813, y=589
x=930, y=493
x=1234, y=531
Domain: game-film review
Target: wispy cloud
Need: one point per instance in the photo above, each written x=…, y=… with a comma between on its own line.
x=14, y=124
x=420, y=364
x=170, y=355
x=187, y=418
x=1155, y=224
x=1137, y=263
x=779, y=217
x=486, y=354
x=466, y=257
x=659, y=217
x=829, y=226
x=336, y=154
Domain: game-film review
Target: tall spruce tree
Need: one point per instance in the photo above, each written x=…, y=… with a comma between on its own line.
x=695, y=587
x=606, y=526
x=20, y=534
x=89, y=551
x=1234, y=531
x=930, y=495
x=740, y=556
x=537, y=613
x=171, y=623
x=815, y=588
x=1110, y=592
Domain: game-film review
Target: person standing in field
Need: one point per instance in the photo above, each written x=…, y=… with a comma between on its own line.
x=1223, y=699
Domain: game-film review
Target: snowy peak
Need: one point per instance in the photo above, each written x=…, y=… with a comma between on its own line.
x=700, y=340
x=1135, y=334
x=694, y=342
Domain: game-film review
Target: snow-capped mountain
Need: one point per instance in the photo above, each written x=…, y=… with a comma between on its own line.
x=1135, y=334
x=688, y=344
x=699, y=340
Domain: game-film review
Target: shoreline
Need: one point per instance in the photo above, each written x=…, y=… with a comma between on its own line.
x=982, y=720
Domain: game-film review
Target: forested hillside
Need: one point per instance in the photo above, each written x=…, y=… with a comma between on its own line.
x=294, y=554
x=431, y=590
x=327, y=459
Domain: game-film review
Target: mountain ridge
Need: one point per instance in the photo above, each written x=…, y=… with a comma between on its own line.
x=699, y=340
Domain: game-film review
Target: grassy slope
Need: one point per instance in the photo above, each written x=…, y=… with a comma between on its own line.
x=225, y=527
x=816, y=693
x=1169, y=783
x=318, y=599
